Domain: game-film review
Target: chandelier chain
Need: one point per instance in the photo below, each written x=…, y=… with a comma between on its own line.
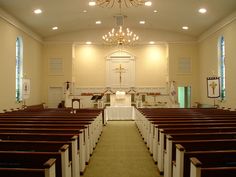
x=119, y=36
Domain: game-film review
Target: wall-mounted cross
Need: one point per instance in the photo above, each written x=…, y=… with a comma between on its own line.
x=120, y=70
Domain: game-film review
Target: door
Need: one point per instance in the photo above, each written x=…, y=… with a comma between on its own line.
x=184, y=97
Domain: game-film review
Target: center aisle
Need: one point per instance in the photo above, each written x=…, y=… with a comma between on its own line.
x=121, y=152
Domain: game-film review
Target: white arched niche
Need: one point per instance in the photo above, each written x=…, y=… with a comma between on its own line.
x=120, y=70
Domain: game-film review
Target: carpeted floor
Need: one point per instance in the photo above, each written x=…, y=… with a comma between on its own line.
x=121, y=152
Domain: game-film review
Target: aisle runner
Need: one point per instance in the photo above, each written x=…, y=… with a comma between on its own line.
x=121, y=152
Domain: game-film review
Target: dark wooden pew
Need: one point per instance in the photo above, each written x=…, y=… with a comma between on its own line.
x=94, y=125
x=159, y=122
x=204, y=167
x=94, y=129
x=192, y=120
x=197, y=122
x=211, y=159
x=161, y=139
x=33, y=160
x=12, y=151
x=78, y=149
x=169, y=150
x=176, y=116
x=45, y=169
x=185, y=148
x=52, y=120
x=160, y=144
x=54, y=113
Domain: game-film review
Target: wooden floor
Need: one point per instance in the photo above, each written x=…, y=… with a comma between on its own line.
x=121, y=152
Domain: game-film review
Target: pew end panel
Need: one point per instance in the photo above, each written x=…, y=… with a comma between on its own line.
x=195, y=167
x=50, y=168
x=66, y=165
x=168, y=157
x=160, y=150
x=179, y=160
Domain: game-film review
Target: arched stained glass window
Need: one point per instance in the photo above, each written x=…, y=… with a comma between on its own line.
x=222, y=66
x=19, y=68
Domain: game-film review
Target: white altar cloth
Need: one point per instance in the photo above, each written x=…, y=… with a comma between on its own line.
x=119, y=113
x=120, y=100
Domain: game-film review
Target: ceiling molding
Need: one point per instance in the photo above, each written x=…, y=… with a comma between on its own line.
x=135, y=45
x=218, y=26
x=58, y=42
x=14, y=22
x=182, y=42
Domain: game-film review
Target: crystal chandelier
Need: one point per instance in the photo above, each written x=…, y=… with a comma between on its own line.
x=122, y=3
x=120, y=37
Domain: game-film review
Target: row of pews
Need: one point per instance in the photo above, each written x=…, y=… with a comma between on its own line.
x=38, y=142
x=190, y=142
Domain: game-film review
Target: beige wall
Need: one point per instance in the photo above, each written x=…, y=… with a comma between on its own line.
x=150, y=65
x=90, y=65
x=56, y=50
x=208, y=55
x=189, y=51
x=154, y=64
x=32, y=66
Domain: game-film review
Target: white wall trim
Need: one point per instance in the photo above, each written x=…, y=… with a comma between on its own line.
x=59, y=42
x=14, y=22
x=134, y=45
x=182, y=42
x=98, y=89
x=104, y=87
x=218, y=26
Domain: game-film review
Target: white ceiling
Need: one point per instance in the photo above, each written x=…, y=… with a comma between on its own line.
x=68, y=15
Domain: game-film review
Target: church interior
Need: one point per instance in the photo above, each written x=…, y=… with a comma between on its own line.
x=119, y=65
x=163, y=54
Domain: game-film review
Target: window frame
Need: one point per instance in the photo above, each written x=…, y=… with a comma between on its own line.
x=222, y=67
x=19, y=69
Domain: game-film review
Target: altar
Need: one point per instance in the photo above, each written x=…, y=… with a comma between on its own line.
x=120, y=107
x=120, y=99
x=119, y=113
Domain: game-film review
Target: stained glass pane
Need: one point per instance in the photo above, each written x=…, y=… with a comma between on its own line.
x=222, y=67
x=19, y=68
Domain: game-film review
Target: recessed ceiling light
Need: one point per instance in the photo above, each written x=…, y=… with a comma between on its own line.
x=38, y=11
x=55, y=28
x=142, y=22
x=92, y=3
x=202, y=10
x=84, y=11
x=155, y=11
x=148, y=3
x=98, y=22
x=185, y=27
x=88, y=42
x=151, y=42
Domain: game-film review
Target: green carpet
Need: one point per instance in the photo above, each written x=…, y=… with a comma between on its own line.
x=121, y=152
